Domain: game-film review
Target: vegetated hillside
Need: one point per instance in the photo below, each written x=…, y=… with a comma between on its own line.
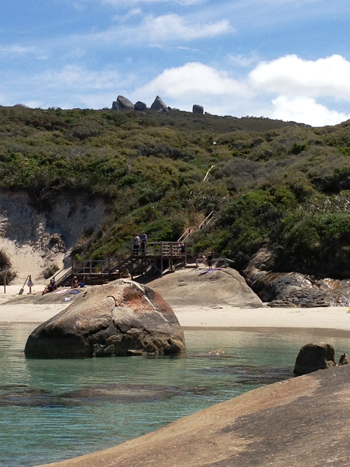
x=273, y=183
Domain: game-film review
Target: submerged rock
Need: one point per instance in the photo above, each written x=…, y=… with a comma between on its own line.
x=116, y=319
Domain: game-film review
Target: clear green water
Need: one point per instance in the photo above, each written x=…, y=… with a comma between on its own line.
x=56, y=409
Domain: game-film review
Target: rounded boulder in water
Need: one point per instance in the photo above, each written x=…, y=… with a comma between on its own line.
x=116, y=319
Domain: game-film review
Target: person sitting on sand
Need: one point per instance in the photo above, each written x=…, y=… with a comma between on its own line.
x=75, y=283
x=51, y=287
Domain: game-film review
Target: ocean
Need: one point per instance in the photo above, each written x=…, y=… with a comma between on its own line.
x=56, y=409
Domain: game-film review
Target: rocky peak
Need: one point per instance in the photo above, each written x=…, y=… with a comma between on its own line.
x=160, y=105
x=122, y=103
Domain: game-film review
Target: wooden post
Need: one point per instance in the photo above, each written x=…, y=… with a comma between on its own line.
x=171, y=258
x=161, y=259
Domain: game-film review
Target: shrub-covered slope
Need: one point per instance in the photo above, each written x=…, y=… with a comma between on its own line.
x=272, y=183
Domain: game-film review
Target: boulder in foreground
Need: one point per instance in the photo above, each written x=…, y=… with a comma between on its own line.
x=274, y=425
x=313, y=357
x=116, y=319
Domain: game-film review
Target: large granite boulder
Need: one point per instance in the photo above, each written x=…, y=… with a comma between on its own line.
x=198, y=109
x=159, y=105
x=292, y=289
x=140, y=106
x=197, y=288
x=122, y=103
x=313, y=357
x=116, y=319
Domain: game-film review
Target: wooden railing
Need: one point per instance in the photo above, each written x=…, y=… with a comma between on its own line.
x=161, y=250
x=188, y=231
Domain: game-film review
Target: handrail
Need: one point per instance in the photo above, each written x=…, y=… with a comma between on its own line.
x=188, y=231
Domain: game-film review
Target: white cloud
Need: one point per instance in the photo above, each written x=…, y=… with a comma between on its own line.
x=130, y=14
x=293, y=76
x=74, y=77
x=154, y=31
x=16, y=49
x=222, y=94
x=305, y=110
x=193, y=80
x=243, y=61
x=173, y=27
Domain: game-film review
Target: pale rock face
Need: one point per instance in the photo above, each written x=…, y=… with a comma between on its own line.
x=116, y=319
x=122, y=103
x=35, y=239
x=158, y=104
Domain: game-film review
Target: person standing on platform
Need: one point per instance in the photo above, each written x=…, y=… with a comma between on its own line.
x=143, y=239
x=136, y=243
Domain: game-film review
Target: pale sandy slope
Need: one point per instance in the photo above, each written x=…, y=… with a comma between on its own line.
x=27, y=260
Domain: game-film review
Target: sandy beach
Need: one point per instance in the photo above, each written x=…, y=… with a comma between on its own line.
x=329, y=321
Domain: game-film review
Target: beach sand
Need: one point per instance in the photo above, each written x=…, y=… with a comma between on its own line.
x=329, y=321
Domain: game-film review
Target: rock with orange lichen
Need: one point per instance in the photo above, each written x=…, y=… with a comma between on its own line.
x=116, y=319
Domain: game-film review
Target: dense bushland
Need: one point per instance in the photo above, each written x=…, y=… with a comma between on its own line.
x=271, y=183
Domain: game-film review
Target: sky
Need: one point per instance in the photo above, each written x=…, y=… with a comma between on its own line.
x=282, y=59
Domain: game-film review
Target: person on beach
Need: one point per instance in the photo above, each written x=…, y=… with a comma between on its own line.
x=75, y=283
x=210, y=261
x=51, y=287
x=136, y=243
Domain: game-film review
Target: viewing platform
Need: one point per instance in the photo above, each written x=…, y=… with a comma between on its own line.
x=161, y=256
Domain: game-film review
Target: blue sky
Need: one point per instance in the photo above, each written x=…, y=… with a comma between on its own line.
x=286, y=59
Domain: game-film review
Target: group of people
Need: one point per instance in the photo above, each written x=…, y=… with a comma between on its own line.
x=139, y=244
x=53, y=286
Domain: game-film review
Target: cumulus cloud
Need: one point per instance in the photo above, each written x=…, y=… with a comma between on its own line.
x=305, y=110
x=193, y=80
x=297, y=86
x=293, y=76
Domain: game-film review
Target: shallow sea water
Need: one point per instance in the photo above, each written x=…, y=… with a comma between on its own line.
x=56, y=409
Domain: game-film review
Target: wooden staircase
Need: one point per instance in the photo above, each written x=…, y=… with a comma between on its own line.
x=161, y=256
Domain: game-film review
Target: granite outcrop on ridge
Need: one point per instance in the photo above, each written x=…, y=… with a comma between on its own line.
x=123, y=104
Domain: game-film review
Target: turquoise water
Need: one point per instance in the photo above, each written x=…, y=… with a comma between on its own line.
x=56, y=409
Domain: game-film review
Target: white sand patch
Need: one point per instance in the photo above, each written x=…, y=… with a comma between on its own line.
x=27, y=260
